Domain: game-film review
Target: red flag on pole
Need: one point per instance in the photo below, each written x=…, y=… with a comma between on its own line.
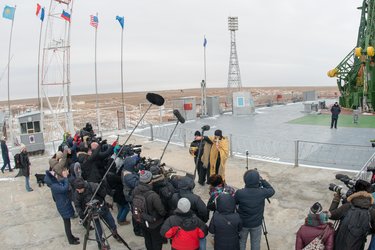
x=38, y=7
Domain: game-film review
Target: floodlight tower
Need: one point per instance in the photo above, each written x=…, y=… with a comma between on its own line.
x=55, y=82
x=234, y=75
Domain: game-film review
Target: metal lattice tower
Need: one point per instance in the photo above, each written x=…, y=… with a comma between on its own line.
x=234, y=75
x=55, y=74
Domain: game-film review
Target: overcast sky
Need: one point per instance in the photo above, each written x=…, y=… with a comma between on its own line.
x=279, y=43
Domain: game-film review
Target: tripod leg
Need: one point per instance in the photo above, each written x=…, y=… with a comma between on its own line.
x=86, y=237
x=264, y=228
x=99, y=232
x=112, y=232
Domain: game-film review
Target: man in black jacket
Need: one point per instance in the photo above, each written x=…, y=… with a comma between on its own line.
x=251, y=201
x=185, y=190
x=94, y=163
x=5, y=155
x=82, y=196
x=335, y=111
x=154, y=218
x=194, y=150
x=356, y=217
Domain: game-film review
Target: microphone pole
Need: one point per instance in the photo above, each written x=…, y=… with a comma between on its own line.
x=204, y=128
x=153, y=98
x=179, y=119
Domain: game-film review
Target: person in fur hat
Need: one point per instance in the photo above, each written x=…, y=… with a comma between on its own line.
x=356, y=216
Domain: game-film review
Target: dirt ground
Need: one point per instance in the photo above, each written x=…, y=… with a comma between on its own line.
x=261, y=95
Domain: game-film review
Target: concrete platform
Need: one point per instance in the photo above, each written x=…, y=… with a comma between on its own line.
x=31, y=221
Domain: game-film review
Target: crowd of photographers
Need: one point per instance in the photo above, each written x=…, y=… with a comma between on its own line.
x=163, y=205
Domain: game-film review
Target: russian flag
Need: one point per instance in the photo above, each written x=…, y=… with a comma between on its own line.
x=40, y=12
x=65, y=15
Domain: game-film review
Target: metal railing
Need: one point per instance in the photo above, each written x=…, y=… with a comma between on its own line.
x=321, y=154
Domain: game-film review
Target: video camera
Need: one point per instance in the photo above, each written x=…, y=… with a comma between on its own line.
x=155, y=167
x=350, y=184
x=129, y=150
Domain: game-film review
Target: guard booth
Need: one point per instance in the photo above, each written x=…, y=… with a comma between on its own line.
x=186, y=106
x=243, y=103
x=31, y=134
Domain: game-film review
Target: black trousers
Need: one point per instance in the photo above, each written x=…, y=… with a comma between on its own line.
x=153, y=239
x=202, y=171
x=333, y=122
x=68, y=230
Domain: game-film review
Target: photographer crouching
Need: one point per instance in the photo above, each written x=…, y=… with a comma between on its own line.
x=356, y=216
x=82, y=197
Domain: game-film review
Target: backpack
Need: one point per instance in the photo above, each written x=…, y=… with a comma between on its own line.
x=139, y=208
x=356, y=225
x=17, y=160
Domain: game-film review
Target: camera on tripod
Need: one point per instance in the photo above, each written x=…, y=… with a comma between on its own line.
x=94, y=206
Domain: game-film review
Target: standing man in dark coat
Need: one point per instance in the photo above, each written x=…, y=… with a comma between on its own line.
x=335, y=110
x=5, y=155
x=251, y=201
x=194, y=150
x=94, y=164
x=226, y=224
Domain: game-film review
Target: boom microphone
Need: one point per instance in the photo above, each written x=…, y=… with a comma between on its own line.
x=155, y=99
x=178, y=116
x=179, y=119
x=206, y=127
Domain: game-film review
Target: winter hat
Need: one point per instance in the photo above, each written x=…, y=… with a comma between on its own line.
x=218, y=132
x=316, y=208
x=116, y=149
x=22, y=147
x=252, y=178
x=79, y=183
x=197, y=133
x=362, y=185
x=59, y=155
x=183, y=205
x=145, y=176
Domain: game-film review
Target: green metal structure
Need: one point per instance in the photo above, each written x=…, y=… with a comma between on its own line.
x=356, y=72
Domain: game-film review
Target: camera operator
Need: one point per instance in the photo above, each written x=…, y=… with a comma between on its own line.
x=356, y=217
x=92, y=166
x=250, y=200
x=193, y=150
x=82, y=196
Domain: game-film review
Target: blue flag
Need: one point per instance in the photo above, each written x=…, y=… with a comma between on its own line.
x=42, y=15
x=205, y=42
x=121, y=21
x=8, y=12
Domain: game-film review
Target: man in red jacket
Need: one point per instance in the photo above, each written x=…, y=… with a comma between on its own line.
x=316, y=223
x=184, y=227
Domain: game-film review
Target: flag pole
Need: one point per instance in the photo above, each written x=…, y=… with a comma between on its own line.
x=40, y=42
x=96, y=81
x=122, y=77
x=205, y=81
x=10, y=122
